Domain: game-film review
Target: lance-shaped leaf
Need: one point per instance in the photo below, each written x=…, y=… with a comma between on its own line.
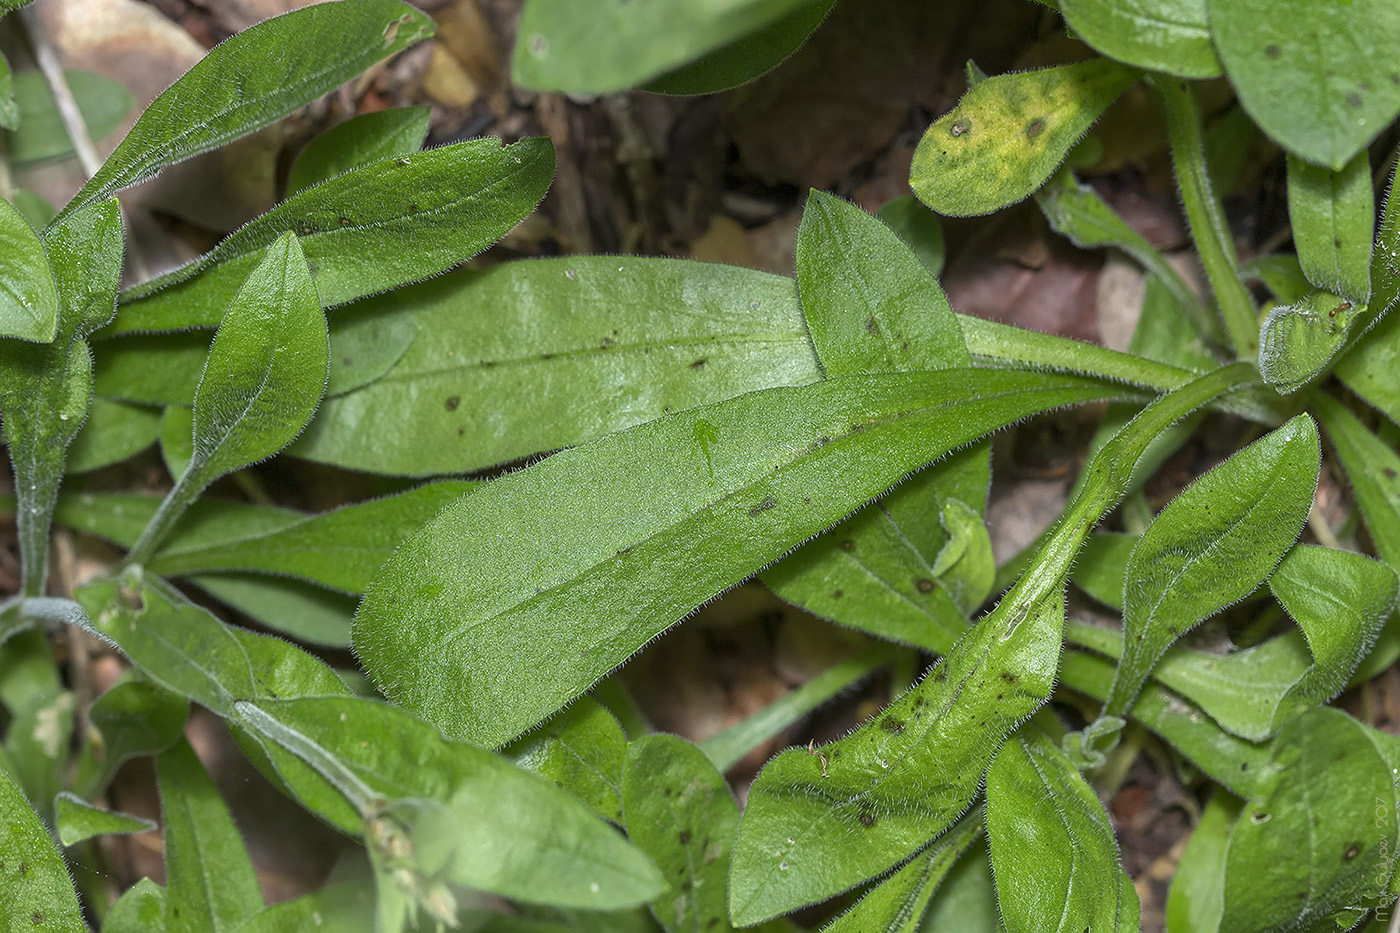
x=1373, y=469
x=898, y=903
x=681, y=814
x=918, y=227
x=1213, y=545
x=381, y=226
x=614, y=45
x=369, y=137
x=78, y=820
x=9, y=112
x=819, y=822
x=532, y=356
x=1009, y=134
x=45, y=388
x=1164, y=35
x=28, y=298
x=41, y=135
x=466, y=815
x=112, y=432
x=210, y=881
x=517, y=598
x=1319, y=834
x=140, y=909
x=581, y=750
x=870, y=307
x=1370, y=368
x=1340, y=601
x=1322, y=92
x=34, y=882
x=1195, y=900
x=303, y=611
x=1333, y=213
x=341, y=549
x=255, y=78
x=262, y=382
x=1053, y=851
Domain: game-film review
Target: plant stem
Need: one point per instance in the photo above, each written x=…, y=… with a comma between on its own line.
x=1205, y=215
x=176, y=501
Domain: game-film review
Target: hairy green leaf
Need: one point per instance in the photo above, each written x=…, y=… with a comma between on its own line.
x=1319, y=834
x=140, y=909
x=918, y=227
x=28, y=298
x=303, y=611
x=1322, y=92
x=871, y=307
x=1213, y=545
x=1370, y=369
x=1009, y=133
x=384, y=225
x=369, y=137
x=533, y=356
x=581, y=749
x=1195, y=900
x=34, y=882
x=1298, y=341
x=614, y=45
x=9, y=111
x=255, y=78
x=1333, y=213
x=898, y=903
x=467, y=816
x=1052, y=843
x=1163, y=35
x=517, y=598
x=211, y=885
x=78, y=820
x=681, y=814
x=263, y=379
x=341, y=549
x=132, y=717
x=112, y=432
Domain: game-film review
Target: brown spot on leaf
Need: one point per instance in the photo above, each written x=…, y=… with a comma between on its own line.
x=1035, y=128
x=924, y=585
x=960, y=128
x=1272, y=51
x=452, y=403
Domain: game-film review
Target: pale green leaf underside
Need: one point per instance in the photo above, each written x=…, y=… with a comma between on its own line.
x=1163, y=35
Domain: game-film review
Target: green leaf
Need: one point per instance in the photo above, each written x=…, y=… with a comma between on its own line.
x=1163, y=35
x=211, y=884
x=871, y=306
x=1052, y=843
x=1333, y=213
x=132, y=717
x=1320, y=833
x=1076, y=211
x=1370, y=369
x=369, y=137
x=1009, y=133
x=41, y=136
x=967, y=901
x=1196, y=898
x=746, y=58
x=581, y=750
x=9, y=111
x=467, y=816
x=34, y=208
x=342, y=906
x=112, y=432
x=466, y=623
x=140, y=909
x=184, y=649
x=681, y=814
x=177, y=439
x=262, y=382
x=34, y=882
x=255, y=78
x=341, y=549
x=1322, y=92
x=28, y=298
x=366, y=343
x=384, y=225
x=863, y=803
x=1281, y=274
x=918, y=227
x=1102, y=567
x=1213, y=545
x=78, y=820
x=898, y=903
x=303, y=611
x=532, y=356
x=614, y=45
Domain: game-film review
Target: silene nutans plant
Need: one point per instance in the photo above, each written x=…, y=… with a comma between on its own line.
x=558, y=460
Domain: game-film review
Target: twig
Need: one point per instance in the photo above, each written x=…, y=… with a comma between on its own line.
x=68, y=112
